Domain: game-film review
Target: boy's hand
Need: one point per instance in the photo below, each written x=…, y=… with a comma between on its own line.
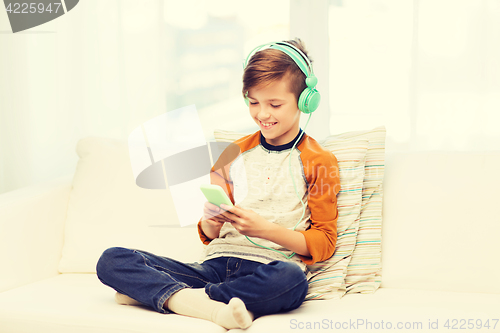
x=246, y=221
x=213, y=214
x=212, y=220
x=249, y=223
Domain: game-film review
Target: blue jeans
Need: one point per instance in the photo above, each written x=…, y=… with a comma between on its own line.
x=275, y=287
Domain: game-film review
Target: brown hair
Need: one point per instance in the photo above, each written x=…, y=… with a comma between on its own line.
x=269, y=65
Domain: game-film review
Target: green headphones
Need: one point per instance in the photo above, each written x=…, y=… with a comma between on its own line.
x=309, y=98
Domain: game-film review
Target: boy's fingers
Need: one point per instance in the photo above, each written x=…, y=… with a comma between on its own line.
x=214, y=222
x=226, y=208
x=212, y=215
x=212, y=207
x=231, y=210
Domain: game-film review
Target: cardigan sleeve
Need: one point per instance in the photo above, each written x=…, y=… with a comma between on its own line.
x=204, y=238
x=324, y=185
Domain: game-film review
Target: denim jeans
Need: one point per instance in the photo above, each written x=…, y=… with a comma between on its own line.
x=275, y=287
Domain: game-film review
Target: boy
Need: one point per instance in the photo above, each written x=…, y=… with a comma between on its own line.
x=239, y=278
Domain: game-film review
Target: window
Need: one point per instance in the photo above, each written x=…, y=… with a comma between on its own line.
x=205, y=50
x=370, y=66
x=427, y=70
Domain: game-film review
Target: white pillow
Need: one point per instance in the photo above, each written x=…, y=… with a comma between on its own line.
x=106, y=209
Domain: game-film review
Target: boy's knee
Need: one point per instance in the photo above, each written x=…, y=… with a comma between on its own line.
x=299, y=277
x=289, y=269
x=110, y=259
x=297, y=282
x=288, y=287
x=291, y=273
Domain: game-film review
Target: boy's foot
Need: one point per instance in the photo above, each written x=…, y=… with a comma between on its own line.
x=125, y=300
x=234, y=315
x=194, y=302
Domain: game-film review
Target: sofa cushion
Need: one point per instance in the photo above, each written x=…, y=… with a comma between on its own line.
x=441, y=229
x=327, y=278
x=106, y=208
x=80, y=303
x=390, y=310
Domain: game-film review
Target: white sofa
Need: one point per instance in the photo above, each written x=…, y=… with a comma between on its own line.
x=440, y=258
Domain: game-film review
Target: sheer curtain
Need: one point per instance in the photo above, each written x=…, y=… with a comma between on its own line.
x=94, y=71
x=427, y=70
x=106, y=67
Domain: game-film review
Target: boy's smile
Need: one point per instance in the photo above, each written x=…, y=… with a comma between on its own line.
x=274, y=109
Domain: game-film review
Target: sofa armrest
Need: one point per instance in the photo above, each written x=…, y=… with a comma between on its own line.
x=31, y=231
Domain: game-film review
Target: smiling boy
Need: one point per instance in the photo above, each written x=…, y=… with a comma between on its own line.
x=291, y=226
x=276, y=105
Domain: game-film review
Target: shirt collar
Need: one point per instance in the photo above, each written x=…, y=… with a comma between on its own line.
x=285, y=146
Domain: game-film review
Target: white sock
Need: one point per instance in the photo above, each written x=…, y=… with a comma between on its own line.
x=194, y=302
x=125, y=300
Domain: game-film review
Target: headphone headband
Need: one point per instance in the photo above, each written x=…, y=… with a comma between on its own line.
x=293, y=52
x=309, y=98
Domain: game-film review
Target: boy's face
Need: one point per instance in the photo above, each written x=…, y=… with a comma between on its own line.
x=275, y=104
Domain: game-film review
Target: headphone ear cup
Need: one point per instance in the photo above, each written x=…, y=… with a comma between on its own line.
x=247, y=102
x=309, y=100
x=301, y=103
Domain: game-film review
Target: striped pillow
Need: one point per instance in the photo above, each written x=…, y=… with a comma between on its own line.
x=327, y=279
x=364, y=270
